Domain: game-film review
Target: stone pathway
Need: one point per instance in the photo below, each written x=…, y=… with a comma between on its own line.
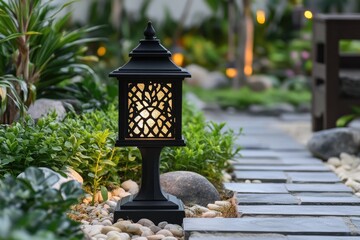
x=299, y=198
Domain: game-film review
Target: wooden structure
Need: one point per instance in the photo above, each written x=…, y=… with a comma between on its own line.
x=329, y=100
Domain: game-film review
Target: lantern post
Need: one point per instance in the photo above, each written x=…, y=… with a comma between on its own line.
x=150, y=108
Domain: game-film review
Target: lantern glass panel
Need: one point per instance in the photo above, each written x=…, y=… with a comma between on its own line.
x=150, y=111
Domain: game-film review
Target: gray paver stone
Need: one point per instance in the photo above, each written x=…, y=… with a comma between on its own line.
x=264, y=176
x=271, y=199
x=317, y=188
x=300, y=210
x=313, y=177
x=284, y=225
x=296, y=168
x=256, y=187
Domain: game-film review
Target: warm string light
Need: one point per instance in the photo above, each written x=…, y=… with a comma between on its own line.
x=308, y=14
x=178, y=58
x=249, y=47
x=231, y=72
x=101, y=51
x=260, y=16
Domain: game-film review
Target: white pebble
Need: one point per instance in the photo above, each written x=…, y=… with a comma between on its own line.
x=334, y=161
x=223, y=203
x=214, y=207
x=209, y=214
x=106, y=222
x=130, y=186
x=354, y=185
x=165, y=232
x=146, y=222
x=155, y=237
x=346, y=159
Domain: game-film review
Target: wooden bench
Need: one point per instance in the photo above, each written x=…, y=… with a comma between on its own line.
x=336, y=76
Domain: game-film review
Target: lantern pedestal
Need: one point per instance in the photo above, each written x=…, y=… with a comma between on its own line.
x=151, y=202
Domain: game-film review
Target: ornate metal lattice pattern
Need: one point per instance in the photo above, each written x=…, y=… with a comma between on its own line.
x=150, y=110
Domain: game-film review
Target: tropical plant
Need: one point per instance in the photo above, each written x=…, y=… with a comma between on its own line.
x=346, y=119
x=31, y=209
x=36, y=49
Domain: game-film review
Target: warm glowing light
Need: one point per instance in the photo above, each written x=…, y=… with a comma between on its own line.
x=150, y=110
x=249, y=45
x=248, y=70
x=260, y=16
x=231, y=72
x=308, y=14
x=178, y=58
x=101, y=51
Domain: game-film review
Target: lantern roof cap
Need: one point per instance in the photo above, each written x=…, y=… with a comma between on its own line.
x=149, y=59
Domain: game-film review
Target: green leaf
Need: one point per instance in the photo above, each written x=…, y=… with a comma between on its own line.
x=344, y=120
x=104, y=193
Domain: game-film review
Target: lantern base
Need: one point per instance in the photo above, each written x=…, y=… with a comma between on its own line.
x=171, y=210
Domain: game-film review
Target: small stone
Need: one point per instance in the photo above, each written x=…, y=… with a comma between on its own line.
x=107, y=229
x=199, y=209
x=175, y=229
x=334, y=161
x=115, y=198
x=74, y=175
x=133, y=228
x=117, y=191
x=84, y=222
x=124, y=194
x=256, y=181
x=112, y=204
x=247, y=181
x=147, y=233
x=162, y=224
x=346, y=159
x=155, y=237
x=146, y=222
x=357, y=194
x=120, y=236
x=155, y=228
x=130, y=186
x=169, y=238
x=223, y=203
x=165, y=232
x=106, y=222
x=209, y=214
x=214, y=207
x=354, y=185
x=140, y=238
x=100, y=237
x=122, y=224
x=92, y=230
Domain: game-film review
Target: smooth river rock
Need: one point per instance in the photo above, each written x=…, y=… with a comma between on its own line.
x=330, y=143
x=190, y=187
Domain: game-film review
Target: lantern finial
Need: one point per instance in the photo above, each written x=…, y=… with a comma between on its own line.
x=149, y=32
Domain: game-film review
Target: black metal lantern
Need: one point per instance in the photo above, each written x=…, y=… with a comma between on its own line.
x=150, y=106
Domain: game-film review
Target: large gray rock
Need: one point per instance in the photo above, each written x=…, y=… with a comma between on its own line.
x=330, y=143
x=355, y=124
x=259, y=83
x=43, y=106
x=201, y=77
x=190, y=187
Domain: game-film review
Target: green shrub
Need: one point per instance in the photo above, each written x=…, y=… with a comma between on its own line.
x=86, y=143
x=31, y=209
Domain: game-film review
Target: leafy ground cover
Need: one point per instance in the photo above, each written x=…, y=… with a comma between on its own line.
x=86, y=142
x=244, y=97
